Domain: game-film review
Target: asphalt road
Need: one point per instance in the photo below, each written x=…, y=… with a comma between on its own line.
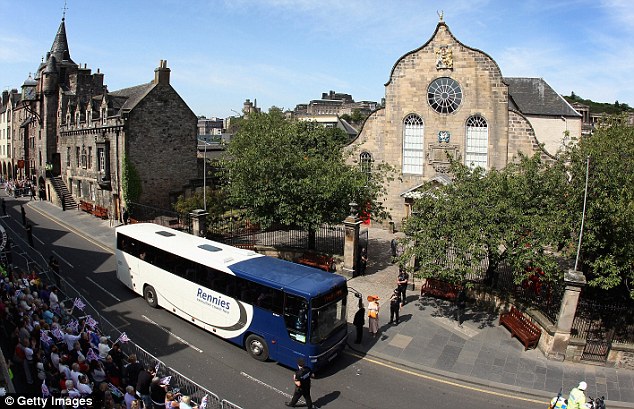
x=227, y=370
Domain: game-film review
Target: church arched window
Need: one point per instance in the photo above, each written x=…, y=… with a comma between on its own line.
x=413, y=128
x=365, y=160
x=477, y=142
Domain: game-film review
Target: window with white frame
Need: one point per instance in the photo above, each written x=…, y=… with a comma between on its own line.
x=477, y=142
x=101, y=159
x=413, y=128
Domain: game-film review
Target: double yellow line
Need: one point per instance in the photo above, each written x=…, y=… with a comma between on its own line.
x=444, y=381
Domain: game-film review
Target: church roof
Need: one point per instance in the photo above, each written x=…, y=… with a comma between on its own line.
x=533, y=96
x=60, y=49
x=131, y=96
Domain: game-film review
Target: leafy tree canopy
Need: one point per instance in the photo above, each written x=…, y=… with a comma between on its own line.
x=607, y=248
x=530, y=214
x=294, y=173
x=467, y=228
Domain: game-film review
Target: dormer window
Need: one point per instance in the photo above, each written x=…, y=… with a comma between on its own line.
x=104, y=113
x=77, y=118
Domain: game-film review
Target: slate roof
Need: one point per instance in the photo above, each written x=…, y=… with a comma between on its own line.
x=533, y=96
x=60, y=49
x=127, y=98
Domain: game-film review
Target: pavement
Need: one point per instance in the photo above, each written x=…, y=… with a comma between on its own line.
x=478, y=353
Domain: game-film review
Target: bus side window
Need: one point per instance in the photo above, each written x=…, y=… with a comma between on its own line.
x=296, y=316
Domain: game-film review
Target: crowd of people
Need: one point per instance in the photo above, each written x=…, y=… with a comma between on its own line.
x=20, y=187
x=51, y=350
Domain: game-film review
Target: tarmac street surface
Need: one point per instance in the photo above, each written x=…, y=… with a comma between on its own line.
x=428, y=357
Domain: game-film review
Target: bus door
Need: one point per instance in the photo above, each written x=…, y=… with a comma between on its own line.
x=294, y=345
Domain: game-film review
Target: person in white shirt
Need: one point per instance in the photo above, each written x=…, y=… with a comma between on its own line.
x=84, y=387
x=71, y=390
x=103, y=348
x=75, y=373
x=70, y=339
x=53, y=300
x=63, y=368
x=55, y=356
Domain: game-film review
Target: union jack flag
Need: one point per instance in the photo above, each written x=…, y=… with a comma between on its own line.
x=57, y=333
x=91, y=322
x=73, y=325
x=44, y=337
x=156, y=368
x=91, y=356
x=203, y=403
x=166, y=380
x=79, y=304
x=123, y=338
x=45, y=392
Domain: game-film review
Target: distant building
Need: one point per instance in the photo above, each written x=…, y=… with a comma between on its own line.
x=445, y=99
x=332, y=121
x=210, y=126
x=10, y=99
x=80, y=142
x=334, y=103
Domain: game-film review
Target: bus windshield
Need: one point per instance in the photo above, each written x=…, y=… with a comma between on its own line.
x=326, y=319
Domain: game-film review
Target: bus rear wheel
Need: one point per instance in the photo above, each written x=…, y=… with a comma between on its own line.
x=150, y=296
x=257, y=348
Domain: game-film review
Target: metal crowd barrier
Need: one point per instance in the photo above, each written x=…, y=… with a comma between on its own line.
x=68, y=293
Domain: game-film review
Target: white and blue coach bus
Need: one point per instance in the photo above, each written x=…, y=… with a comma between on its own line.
x=274, y=308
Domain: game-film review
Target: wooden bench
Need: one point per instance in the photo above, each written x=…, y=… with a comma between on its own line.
x=521, y=327
x=85, y=206
x=440, y=289
x=319, y=261
x=100, y=212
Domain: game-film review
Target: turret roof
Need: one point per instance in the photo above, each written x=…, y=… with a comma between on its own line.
x=60, y=49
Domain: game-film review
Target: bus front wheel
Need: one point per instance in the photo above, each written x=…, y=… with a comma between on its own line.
x=150, y=296
x=257, y=348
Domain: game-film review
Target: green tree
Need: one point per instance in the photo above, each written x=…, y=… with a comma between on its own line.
x=216, y=203
x=357, y=117
x=607, y=248
x=485, y=218
x=294, y=173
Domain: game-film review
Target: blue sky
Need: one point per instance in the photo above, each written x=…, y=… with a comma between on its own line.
x=286, y=52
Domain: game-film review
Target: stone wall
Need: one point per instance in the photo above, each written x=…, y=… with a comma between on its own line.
x=484, y=94
x=161, y=144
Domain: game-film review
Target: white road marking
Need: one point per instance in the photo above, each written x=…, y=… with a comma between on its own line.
x=62, y=258
x=274, y=389
x=172, y=334
x=266, y=385
x=102, y=289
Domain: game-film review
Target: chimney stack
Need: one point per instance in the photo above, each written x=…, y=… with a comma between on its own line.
x=162, y=73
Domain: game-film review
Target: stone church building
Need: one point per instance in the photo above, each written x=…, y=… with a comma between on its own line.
x=447, y=98
x=83, y=144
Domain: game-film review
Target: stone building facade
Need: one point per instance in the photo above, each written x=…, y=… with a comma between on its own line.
x=86, y=144
x=446, y=98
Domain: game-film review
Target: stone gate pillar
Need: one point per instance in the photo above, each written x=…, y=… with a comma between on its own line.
x=199, y=222
x=575, y=281
x=352, y=225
